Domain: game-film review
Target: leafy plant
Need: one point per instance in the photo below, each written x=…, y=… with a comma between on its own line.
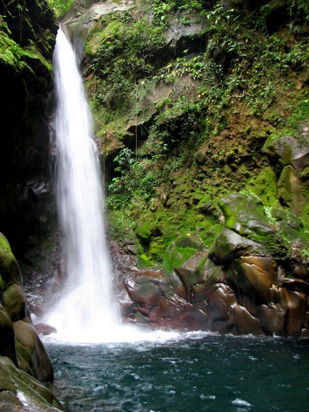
x=60, y=6
x=137, y=179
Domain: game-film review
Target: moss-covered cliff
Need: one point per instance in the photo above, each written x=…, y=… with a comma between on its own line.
x=188, y=98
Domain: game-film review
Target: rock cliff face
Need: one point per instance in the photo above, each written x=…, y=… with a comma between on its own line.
x=27, y=35
x=202, y=119
x=27, y=40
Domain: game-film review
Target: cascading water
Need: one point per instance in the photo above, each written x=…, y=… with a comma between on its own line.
x=86, y=310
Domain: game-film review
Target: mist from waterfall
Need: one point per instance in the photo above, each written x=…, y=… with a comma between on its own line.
x=86, y=310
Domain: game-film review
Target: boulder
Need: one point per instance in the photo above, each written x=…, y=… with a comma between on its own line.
x=188, y=272
x=181, y=250
x=261, y=274
x=194, y=318
x=246, y=323
x=273, y=319
x=290, y=190
x=245, y=215
x=220, y=310
x=229, y=245
x=200, y=157
x=20, y=391
x=7, y=336
x=296, y=314
x=143, y=290
x=44, y=329
x=15, y=302
x=251, y=277
x=9, y=268
x=33, y=351
x=167, y=312
x=289, y=150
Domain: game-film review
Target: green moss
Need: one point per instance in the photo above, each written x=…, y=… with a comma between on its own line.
x=5, y=247
x=60, y=6
x=11, y=53
x=227, y=111
x=305, y=211
x=14, y=55
x=263, y=184
x=143, y=261
x=175, y=257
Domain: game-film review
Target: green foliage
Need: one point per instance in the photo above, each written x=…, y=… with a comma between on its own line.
x=163, y=9
x=224, y=101
x=124, y=56
x=137, y=179
x=60, y=6
x=10, y=52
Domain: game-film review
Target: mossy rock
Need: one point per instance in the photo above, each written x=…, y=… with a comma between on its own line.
x=7, y=336
x=9, y=268
x=19, y=391
x=38, y=361
x=211, y=273
x=245, y=215
x=304, y=176
x=290, y=227
x=289, y=150
x=290, y=190
x=181, y=250
x=230, y=245
x=15, y=302
x=264, y=185
x=143, y=232
x=189, y=241
x=188, y=272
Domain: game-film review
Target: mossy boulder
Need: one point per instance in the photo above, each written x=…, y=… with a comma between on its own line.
x=35, y=354
x=246, y=215
x=9, y=268
x=18, y=338
x=179, y=251
x=290, y=227
x=15, y=302
x=188, y=271
x=7, y=336
x=20, y=391
x=264, y=185
x=290, y=190
x=230, y=245
x=289, y=150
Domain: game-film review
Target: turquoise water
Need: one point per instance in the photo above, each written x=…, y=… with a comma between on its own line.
x=187, y=373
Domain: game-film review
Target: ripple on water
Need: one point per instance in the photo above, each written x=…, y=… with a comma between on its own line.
x=187, y=373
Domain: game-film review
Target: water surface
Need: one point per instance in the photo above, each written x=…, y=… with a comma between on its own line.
x=192, y=372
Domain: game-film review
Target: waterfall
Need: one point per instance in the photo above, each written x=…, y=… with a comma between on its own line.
x=86, y=310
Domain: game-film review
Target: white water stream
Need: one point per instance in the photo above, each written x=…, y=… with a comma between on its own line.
x=86, y=311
